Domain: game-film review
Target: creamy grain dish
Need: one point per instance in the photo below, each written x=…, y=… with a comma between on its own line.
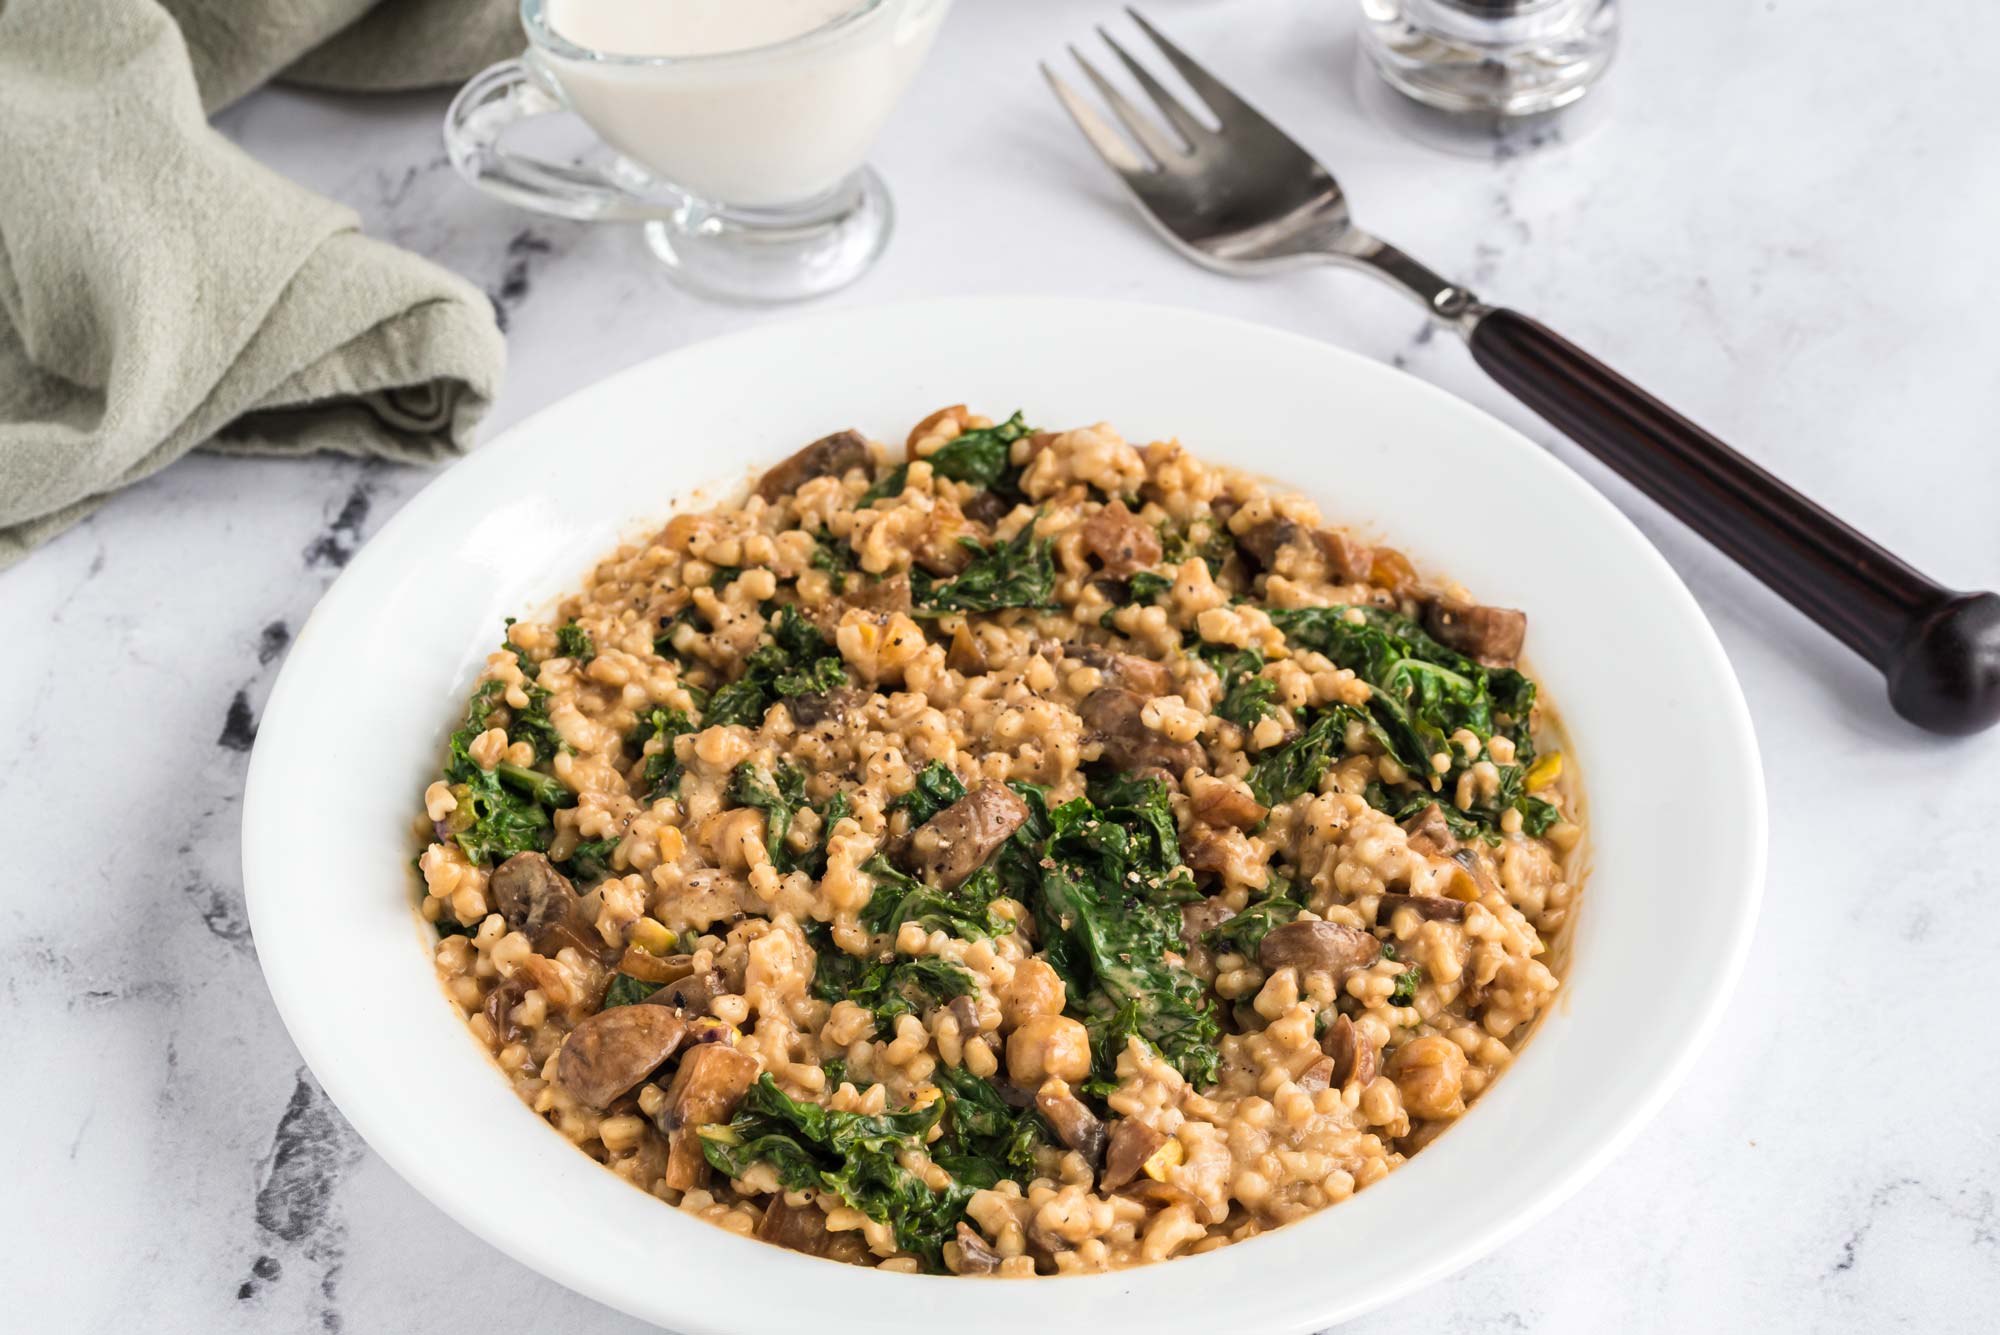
x=1019, y=852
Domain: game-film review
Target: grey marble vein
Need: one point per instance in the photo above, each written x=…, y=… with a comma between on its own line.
x=1833, y=1161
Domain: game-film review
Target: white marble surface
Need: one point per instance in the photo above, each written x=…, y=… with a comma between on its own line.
x=1786, y=229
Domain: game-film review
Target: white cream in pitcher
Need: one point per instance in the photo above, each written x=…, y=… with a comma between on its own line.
x=736, y=122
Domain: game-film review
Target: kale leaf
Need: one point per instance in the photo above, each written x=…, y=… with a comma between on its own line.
x=1422, y=693
x=1144, y=586
x=1246, y=696
x=835, y=557
x=590, y=860
x=796, y=660
x=505, y=810
x=980, y=456
x=1018, y=573
x=573, y=641
x=935, y=789
x=1296, y=767
x=856, y=1156
x=1108, y=910
x=985, y=1142
x=662, y=775
x=889, y=988
x=1407, y=983
x=901, y=898
x=1179, y=545
x=778, y=795
x=625, y=990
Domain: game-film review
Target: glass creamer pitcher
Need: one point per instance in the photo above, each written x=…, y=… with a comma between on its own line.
x=739, y=131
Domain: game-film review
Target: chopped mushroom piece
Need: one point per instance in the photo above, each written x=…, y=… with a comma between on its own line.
x=1263, y=540
x=1430, y=832
x=712, y=1080
x=1431, y=908
x=1223, y=802
x=1493, y=635
x=499, y=1009
x=801, y=1228
x=1121, y=540
x=975, y=1255
x=1353, y=1056
x=694, y=993
x=650, y=968
x=1318, y=1076
x=1114, y=715
x=1132, y=1143
x=1075, y=1124
x=1198, y=920
x=810, y=710
x=1327, y=947
x=614, y=1050
x=531, y=894
x=829, y=456
x=1349, y=560
x=956, y=842
x=1142, y=676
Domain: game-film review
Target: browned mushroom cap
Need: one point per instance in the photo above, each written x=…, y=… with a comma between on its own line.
x=829, y=456
x=1490, y=634
x=1263, y=540
x=1146, y=677
x=810, y=710
x=966, y=1011
x=801, y=1228
x=987, y=508
x=975, y=1255
x=693, y=992
x=1431, y=908
x=1075, y=1124
x=1114, y=716
x=938, y=548
x=1316, y=1077
x=1349, y=560
x=1131, y=1144
x=1327, y=947
x=1121, y=540
x=1225, y=804
x=1198, y=920
x=956, y=842
x=614, y=1050
x=1430, y=832
x=712, y=1080
x=1353, y=1056
x=956, y=412
x=889, y=594
x=499, y=1008
x=531, y=894
x=650, y=968
x=1159, y=1195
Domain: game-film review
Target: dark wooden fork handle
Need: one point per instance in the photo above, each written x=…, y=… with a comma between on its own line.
x=1938, y=648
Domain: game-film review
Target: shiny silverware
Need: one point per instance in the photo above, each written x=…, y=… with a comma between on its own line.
x=1242, y=197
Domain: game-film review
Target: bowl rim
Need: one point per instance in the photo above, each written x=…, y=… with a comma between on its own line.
x=1150, y=1293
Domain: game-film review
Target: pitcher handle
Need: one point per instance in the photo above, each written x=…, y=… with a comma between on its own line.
x=504, y=95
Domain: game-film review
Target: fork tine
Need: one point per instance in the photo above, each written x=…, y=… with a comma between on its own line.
x=1233, y=113
x=1136, y=122
x=1191, y=129
x=1107, y=141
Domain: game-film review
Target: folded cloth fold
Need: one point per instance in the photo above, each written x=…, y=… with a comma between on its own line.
x=160, y=291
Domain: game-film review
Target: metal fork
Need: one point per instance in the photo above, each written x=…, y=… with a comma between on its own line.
x=1242, y=197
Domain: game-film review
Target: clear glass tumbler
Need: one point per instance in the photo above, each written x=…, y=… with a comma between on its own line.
x=1491, y=58
x=746, y=167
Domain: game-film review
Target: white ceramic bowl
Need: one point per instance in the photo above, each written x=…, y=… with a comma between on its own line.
x=355, y=727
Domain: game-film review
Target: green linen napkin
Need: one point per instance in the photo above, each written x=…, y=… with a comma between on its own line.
x=160, y=291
